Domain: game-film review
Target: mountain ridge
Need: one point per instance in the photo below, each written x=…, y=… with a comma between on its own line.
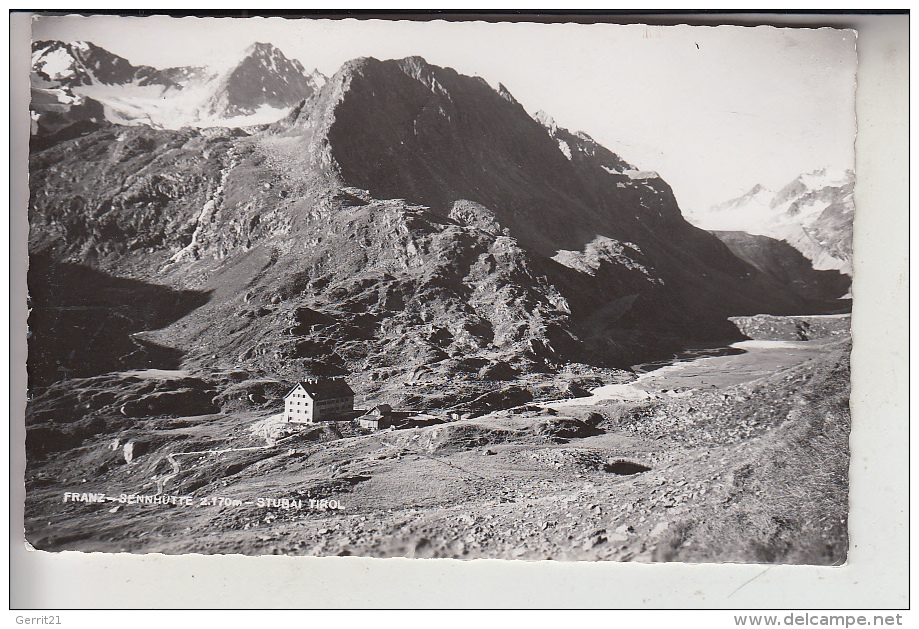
x=84, y=63
x=258, y=88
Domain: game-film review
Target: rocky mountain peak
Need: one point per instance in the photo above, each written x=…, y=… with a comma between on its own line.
x=81, y=63
x=262, y=48
x=271, y=58
x=264, y=77
x=415, y=65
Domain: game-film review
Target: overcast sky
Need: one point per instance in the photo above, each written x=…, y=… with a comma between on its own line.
x=715, y=110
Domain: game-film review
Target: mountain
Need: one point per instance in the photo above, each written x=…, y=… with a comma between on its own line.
x=264, y=77
x=403, y=224
x=60, y=68
x=69, y=65
x=814, y=213
x=81, y=84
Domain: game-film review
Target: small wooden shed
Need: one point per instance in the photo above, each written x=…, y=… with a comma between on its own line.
x=377, y=418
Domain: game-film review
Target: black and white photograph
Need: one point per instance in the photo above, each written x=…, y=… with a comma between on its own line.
x=422, y=289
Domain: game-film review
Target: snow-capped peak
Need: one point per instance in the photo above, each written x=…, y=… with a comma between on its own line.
x=270, y=56
x=813, y=213
x=261, y=83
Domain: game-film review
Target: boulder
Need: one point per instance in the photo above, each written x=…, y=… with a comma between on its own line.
x=498, y=370
x=574, y=390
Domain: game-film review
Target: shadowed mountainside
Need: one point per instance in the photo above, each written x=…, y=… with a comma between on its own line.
x=83, y=322
x=787, y=265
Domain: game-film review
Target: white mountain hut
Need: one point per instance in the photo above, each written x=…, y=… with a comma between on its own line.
x=318, y=399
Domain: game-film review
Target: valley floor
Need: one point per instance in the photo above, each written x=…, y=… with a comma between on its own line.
x=740, y=456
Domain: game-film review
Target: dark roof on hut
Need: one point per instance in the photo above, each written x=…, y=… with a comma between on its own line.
x=324, y=388
x=378, y=411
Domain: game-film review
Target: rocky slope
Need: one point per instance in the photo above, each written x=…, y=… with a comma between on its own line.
x=814, y=214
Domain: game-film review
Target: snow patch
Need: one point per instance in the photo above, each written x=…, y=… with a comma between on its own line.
x=564, y=148
x=38, y=54
x=265, y=114
x=546, y=120
x=318, y=78
x=809, y=212
x=618, y=392
x=169, y=108
x=771, y=345
x=641, y=174
x=57, y=64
